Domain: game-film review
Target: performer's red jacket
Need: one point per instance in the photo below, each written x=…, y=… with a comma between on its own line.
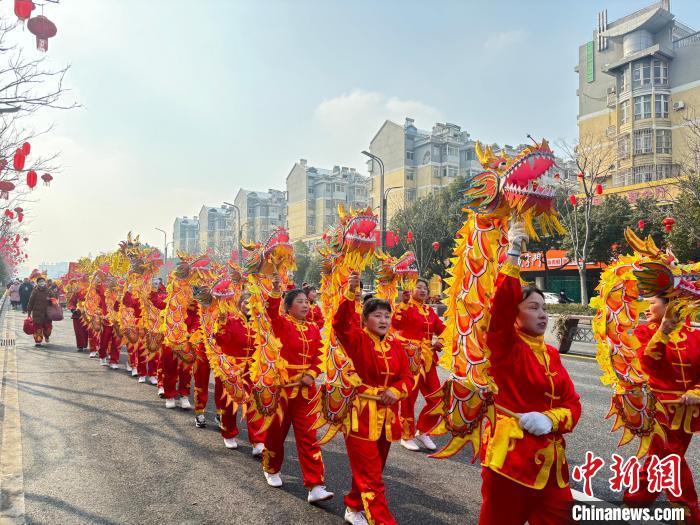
x=75, y=298
x=673, y=367
x=315, y=315
x=301, y=343
x=382, y=365
x=530, y=378
x=158, y=298
x=236, y=338
x=131, y=301
x=418, y=322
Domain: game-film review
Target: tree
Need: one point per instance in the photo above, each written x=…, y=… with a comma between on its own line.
x=594, y=158
x=433, y=218
x=303, y=258
x=608, y=222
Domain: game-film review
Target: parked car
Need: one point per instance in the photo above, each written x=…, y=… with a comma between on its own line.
x=551, y=298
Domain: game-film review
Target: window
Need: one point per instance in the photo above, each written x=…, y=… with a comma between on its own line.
x=661, y=106
x=624, y=81
x=444, y=171
x=624, y=112
x=452, y=172
x=623, y=146
x=660, y=72
x=436, y=171
x=338, y=187
x=642, y=107
x=641, y=74
x=642, y=141
x=452, y=151
x=664, y=171
x=663, y=141
x=471, y=155
x=642, y=174
x=409, y=155
x=410, y=174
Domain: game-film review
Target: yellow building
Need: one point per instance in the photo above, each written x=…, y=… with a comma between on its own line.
x=639, y=79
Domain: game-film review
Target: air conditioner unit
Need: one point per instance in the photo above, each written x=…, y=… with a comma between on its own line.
x=677, y=106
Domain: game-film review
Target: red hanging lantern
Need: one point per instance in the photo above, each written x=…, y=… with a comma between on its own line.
x=580, y=176
x=20, y=217
x=19, y=210
x=409, y=236
x=599, y=189
x=47, y=179
x=5, y=188
x=436, y=246
x=9, y=214
x=572, y=200
x=641, y=224
x=23, y=9
x=18, y=160
x=43, y=29
x=668, y=223
x=25, y=239
x=31, y=179
x=26, y=149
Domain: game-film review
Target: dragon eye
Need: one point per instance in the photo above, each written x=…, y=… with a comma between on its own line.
x=502, y=164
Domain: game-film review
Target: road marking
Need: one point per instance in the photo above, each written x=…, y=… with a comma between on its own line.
x=11, y=469
x=580, y=496
x=578, y=356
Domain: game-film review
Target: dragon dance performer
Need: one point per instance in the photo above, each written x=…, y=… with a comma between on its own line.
x=177, y=374
x=236, y=339
x=315, y=315
x=201, y=371
x=145, y=369
x=301, y=345
x=524, y=460
x=673, y=366
x=418, y=323
x=75, y=298
x=380, y=361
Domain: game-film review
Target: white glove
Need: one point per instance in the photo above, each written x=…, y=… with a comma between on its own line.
x=535, y=423
x=517, y=235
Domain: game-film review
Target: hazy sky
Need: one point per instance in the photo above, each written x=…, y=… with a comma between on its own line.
x=186, y=101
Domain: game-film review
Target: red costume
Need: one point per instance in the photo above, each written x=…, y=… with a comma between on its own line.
x=81, y=333
x=177, y=375
x=382, y=365
x=200, y=369
x=137, y=356
x=109, y=345
x=301, y=345
x=418, y=322
x=528, y=473
x=236, y=339
x=315, y=315
x=673, y=367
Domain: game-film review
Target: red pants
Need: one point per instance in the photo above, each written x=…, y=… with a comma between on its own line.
x=296, y=414
x=506, y=502
x=229, y=426
x=93, y=341
x=177, y=376
x=42, y=331
x=144, y=367
x=427, y=385
x=201, y=372
x=81, y=334
x=109, y=344
x=676, y=442
x=367, y=460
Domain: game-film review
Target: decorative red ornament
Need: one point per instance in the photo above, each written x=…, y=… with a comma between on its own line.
x=26, y=149
x=409, y=236
x=19, y=210
x=31, y=179
x=9, y=214
x=599, y=189
x=641, y=224
x=20, y=217
x=557, y=176
x=436, y=246
x=5, y=188
x=572, y=200
x=25, y=239
x=668, y=223
x=580, y=175
x=18, y=160
x=23, y=9
x=43, y=29
x=47, y=179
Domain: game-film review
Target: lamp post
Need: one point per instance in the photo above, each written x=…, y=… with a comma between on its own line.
x=382, y=212
x=240, y=231
x=165, y=244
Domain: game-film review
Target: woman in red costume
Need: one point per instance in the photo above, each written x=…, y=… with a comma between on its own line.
x=237, y=339
x=301, y=349
x=672, y=363
x=381, y=363
x=315, y=315
x=524, y=469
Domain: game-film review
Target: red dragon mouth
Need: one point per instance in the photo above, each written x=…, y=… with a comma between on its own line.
x=407, y=266
x=360, y=231
x=520, y=179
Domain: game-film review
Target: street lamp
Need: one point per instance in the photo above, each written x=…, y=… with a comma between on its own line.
x=240, y=230
x=382, y=212
x=165, y=244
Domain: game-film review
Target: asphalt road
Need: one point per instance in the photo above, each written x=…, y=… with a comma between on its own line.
x=96, y=447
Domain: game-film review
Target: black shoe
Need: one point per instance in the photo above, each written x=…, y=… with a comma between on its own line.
x=217, y=420
x=200, y=421
x=37, y=344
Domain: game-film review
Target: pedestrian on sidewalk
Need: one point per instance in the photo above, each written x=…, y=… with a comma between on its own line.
x=14, y=294
x=38, y=303
x=25, y=291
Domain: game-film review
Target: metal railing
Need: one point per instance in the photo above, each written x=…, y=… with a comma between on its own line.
x=687, y=40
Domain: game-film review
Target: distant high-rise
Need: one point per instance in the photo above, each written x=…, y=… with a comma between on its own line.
x=261, y=213
x=186, y=235
x=313, y=196
x=216, y=231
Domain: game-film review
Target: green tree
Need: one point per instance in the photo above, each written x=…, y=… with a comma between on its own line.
x=303, y=258
x=608, y=222
x=312, y=275
x=685, y=235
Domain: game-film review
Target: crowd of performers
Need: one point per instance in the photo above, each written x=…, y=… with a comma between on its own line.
x=288, y=357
